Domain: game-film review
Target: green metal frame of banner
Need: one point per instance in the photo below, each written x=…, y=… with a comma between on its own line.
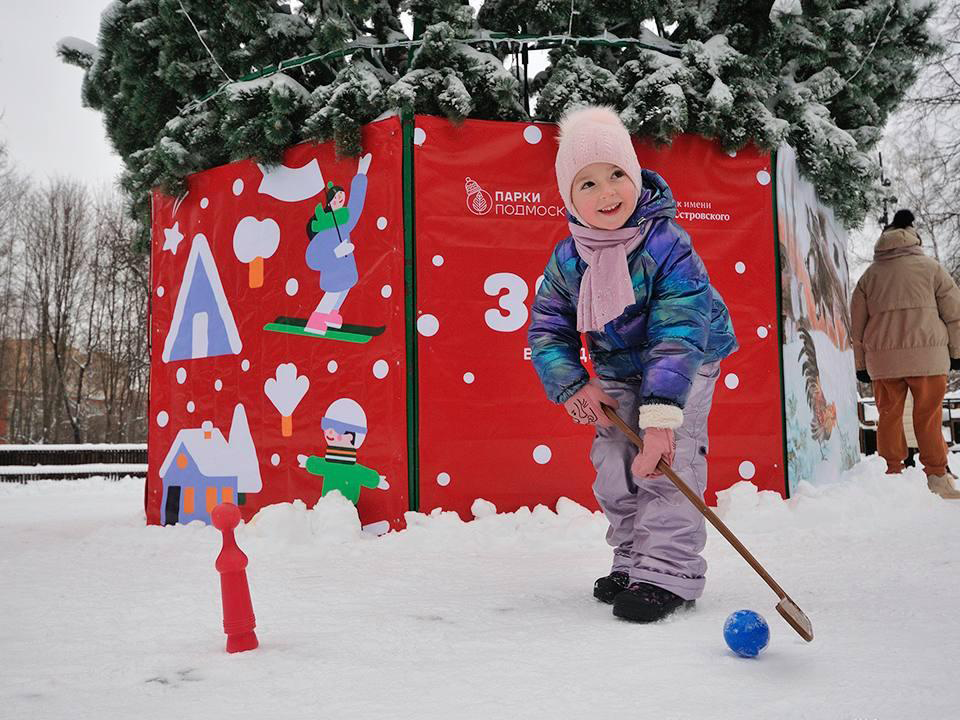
x=780, y=337
x=408, y=122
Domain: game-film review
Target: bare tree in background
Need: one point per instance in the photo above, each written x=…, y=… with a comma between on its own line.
x=923, y=150
x=122, y=359
x=924, y=147
x=12, y=189
x=55, y=226
x=9, y=197
x=74, y=362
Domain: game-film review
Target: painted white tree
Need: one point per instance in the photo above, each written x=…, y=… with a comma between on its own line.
x=253, y=241
x=244, y=453
x=286, y=391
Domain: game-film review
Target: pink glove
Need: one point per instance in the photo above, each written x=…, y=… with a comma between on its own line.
x=584, y=405
x=657, y=443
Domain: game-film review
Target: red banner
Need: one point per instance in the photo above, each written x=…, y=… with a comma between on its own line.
x=488, y=215
x=278, y=342
x=278, y=339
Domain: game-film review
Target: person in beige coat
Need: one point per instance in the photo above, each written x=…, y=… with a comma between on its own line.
x=906, y=335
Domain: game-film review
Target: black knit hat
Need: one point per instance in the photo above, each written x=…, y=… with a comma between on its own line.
x=902, y=219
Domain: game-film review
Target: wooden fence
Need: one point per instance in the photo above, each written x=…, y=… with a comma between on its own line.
x=23, y=463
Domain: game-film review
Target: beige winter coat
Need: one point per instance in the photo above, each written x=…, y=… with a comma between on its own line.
x=905, y=311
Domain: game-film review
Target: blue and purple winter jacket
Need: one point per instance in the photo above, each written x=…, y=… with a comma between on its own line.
x=678, y=322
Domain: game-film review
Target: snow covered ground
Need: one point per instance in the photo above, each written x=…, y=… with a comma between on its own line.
x=105, y=618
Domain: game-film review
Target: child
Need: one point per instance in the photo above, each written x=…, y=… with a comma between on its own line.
x=330, y=250
x=344, y=426
x=657, y=330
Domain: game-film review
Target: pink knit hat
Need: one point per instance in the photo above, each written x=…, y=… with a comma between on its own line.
x=588, y=135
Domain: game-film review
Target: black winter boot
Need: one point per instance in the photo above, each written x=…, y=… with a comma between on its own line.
x=605, y=589
x=646, y=603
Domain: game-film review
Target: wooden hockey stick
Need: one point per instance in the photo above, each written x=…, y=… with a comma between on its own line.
x=787, y=608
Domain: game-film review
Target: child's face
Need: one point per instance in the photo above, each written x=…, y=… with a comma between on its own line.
x=338, y=201
x=603, y=196
x=336, y=439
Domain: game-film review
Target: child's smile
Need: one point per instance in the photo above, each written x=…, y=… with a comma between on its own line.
x=603, y=196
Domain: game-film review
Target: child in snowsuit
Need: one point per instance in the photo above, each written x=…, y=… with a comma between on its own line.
x=656, y=330
x=331, y=252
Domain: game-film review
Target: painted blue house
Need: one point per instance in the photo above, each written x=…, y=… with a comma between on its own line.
x=202, y=470
x=202, y=324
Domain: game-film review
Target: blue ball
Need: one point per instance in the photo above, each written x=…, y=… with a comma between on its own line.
x=746, y=633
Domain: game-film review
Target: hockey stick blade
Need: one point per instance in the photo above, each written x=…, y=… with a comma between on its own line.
x=796, y=618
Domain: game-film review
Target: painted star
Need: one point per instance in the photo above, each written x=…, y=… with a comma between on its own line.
x=172, y=238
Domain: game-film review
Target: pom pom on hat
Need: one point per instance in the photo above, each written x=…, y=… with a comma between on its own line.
x=902, y=219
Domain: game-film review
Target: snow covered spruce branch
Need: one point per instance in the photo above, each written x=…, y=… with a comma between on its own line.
x=823, y=78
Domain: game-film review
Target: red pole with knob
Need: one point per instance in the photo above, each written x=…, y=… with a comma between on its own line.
x=238, y=619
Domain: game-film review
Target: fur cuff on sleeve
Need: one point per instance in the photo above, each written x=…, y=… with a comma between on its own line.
x=661, y=416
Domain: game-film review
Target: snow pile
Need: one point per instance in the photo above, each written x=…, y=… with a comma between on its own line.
x=333, y=520
x=94, y=489
x=864, y=501
x=494, y=617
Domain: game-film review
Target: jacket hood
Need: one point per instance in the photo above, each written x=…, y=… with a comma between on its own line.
x=656, y=200
x=894, y=241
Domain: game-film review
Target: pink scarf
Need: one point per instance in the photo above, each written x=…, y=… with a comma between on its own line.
x=607, y=288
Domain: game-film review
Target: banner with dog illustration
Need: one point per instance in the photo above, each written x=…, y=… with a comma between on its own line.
x=278, y=336
x=488, y=214
x=819, y=385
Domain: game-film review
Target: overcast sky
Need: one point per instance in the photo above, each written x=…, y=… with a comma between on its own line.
x=47, y=131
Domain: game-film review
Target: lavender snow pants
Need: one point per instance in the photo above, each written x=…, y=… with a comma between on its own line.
x=657, y=534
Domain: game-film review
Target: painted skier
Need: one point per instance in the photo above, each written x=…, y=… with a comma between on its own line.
x=344, y=428
x=331, y=252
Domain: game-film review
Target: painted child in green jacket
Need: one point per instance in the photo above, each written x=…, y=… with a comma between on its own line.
x=344, y=427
